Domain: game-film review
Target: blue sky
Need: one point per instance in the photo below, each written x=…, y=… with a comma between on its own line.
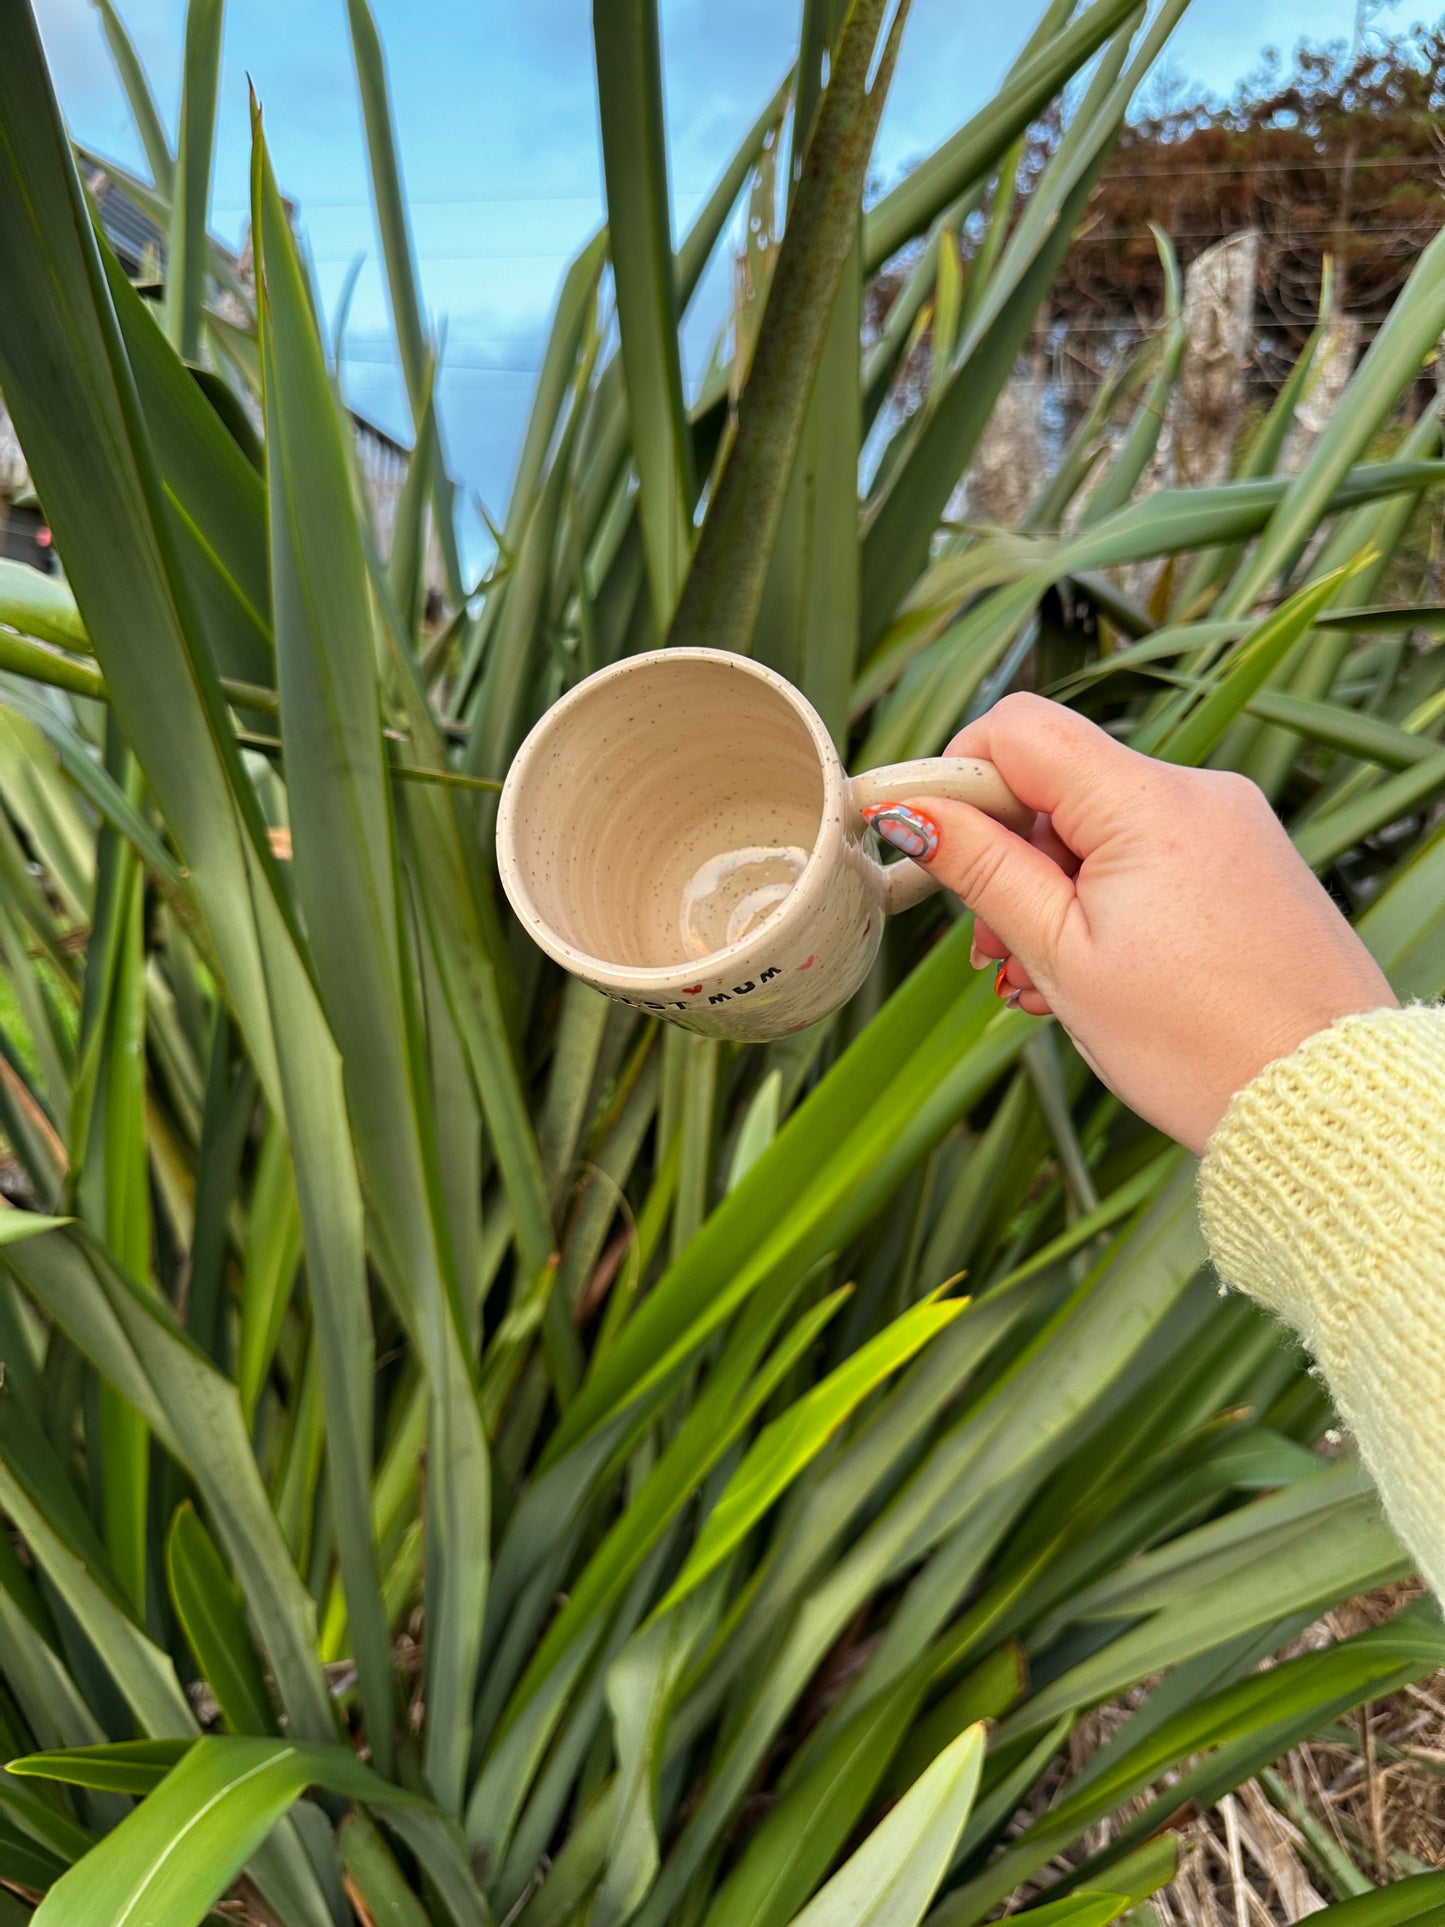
x=497, y=122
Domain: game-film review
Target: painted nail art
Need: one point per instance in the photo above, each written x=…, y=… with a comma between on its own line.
x=906, y=829
x=1001, y=985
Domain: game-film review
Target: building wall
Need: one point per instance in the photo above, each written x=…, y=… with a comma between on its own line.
x=140, y=247
x=14, y=475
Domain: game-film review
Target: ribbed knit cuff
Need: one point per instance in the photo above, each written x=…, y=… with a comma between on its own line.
x=1326, y=1175
x=1322, y=1194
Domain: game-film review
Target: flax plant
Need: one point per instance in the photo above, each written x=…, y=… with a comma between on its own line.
x=466, y=1456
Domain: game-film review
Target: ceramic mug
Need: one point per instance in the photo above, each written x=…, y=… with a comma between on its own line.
x=679, y=832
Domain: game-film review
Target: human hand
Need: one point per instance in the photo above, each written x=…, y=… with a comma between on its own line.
x=1160, y=913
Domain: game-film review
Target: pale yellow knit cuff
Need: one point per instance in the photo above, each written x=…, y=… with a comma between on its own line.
x=1326, y=1177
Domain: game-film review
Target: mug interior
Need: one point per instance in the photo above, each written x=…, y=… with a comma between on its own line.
x=666, y=812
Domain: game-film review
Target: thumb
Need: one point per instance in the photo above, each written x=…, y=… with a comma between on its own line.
x=1016, y=889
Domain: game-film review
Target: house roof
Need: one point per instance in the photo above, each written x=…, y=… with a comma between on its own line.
x=139, y=242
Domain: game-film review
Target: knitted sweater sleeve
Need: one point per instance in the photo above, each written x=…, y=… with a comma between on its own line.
x=1322, y=1194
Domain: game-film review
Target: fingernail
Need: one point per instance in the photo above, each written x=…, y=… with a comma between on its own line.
x=906, y=829
x=1001, y=984
x=977, y=958
x=1013, y=1002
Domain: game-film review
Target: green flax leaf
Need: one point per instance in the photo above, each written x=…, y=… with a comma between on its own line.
x=212, y=1613
x=345, y=865
x=144, y=111
x=177, y=1853
x=723, y=594
x=634, y=159
x=401, y=275
x=187, y=250
x=893, y=1876
x=781, y=1452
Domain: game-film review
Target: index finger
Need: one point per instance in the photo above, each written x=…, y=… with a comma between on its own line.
x=1060, y=763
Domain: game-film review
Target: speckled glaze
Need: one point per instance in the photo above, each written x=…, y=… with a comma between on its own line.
x=644, y=776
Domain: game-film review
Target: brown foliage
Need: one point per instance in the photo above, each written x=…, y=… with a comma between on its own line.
x=1337, y=155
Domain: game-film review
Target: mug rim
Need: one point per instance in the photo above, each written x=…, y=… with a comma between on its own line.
x=642, y=977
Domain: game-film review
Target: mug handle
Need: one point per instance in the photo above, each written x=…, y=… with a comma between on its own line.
x=962, y=779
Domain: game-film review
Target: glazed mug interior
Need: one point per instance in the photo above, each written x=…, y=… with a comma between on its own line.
x=669, y=815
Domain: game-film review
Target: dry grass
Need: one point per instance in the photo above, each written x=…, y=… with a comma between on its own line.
x=1361, y=1805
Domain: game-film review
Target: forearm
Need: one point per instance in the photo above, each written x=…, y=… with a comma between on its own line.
x=1322, y=1194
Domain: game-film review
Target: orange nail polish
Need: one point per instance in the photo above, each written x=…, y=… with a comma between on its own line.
x=1001, y=985
x=905, y=828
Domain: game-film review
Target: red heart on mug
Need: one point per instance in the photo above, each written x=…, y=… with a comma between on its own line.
x=806, y=966
x=691, y=990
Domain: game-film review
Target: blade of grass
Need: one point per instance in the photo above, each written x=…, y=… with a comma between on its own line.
x=1402, y=343
x=139, y=97
x=808, y=616
x=373, y=1877
x=976, y=149
x=783, y=1449
x=1266, y=446
x=34, y=1494
x=212, y=1613
x=634, y=161
x=273, y=1252
x=187, y=246
x=893, y=1876
x=897, y=326
x=640, y=1686
x=901, y=523
x=570, y=321
x=41, y=606
x=78, y=418
x=903, y=1081
x=1402, y=926
x=132, y=1340
x=1328, y=837
x=109, y=1177
x=399, y=256
x=1380, y=529
x=743, y=1381
x=1249, y=668
x=177, y=1853
x=125, y=1475
x=723, y=594
x=1129, y=465
x=945, y=670
x=345, y=870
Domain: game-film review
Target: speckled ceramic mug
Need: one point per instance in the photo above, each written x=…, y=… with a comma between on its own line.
x=679, y=832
